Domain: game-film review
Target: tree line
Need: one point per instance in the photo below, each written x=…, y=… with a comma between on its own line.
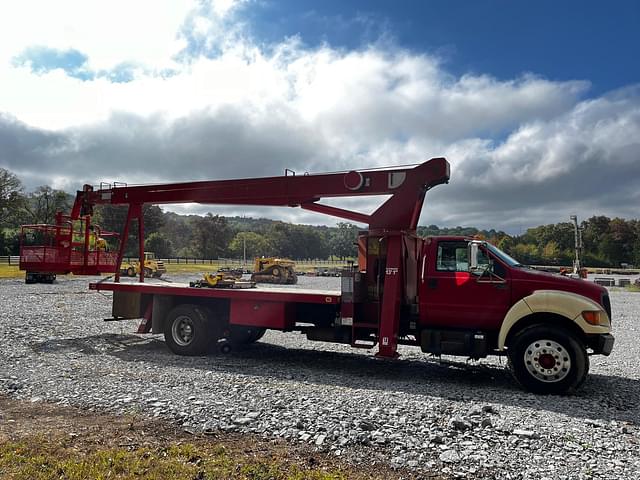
x=168, y=234
x=607, y=242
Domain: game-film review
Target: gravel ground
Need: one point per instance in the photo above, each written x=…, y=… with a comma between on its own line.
x=464, y=420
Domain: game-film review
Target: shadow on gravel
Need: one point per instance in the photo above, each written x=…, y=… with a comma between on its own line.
x=604, y=397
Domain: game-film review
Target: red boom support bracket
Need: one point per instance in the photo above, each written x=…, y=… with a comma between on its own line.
x=390, y=314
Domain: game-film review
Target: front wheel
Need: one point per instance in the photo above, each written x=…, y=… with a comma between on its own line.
x=549, y=360
x=188, y=330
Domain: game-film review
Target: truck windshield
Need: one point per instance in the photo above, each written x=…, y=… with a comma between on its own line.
x=512, y=262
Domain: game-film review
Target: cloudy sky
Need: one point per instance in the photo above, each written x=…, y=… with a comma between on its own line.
x=535, y=104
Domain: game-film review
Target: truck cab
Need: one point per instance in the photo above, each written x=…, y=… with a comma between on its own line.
x=475, y=300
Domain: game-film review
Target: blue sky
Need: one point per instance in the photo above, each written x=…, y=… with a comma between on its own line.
x=560, y=40
x=535, y=104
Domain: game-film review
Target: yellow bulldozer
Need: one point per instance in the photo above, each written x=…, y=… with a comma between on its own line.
x=274, y=270
x=152, y=267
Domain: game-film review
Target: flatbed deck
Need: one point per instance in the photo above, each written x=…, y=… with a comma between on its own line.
x=275, y=294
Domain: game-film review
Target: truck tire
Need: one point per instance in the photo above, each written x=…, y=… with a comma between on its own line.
x=548, y=360
x=189, y=330
x=131, y=272
x=147, y=272
x=245, y=335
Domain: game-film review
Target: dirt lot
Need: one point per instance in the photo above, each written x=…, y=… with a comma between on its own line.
x=51, y=436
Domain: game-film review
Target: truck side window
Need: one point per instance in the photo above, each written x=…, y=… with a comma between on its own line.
x=452, y=257
x=488, y=264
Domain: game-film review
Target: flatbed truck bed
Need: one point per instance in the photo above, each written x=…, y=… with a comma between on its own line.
x=194, y=320
x=275, y=294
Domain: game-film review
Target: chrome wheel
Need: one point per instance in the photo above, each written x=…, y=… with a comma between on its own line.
x=547, y=361
x=182, y=330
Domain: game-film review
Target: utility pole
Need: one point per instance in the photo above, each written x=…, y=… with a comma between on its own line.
x=244, y=251
x=577, y=231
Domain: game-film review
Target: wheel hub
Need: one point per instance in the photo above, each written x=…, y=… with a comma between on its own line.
x=182, y=330
x=547, y=360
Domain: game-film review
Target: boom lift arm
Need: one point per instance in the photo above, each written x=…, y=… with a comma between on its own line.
x=407, y=187
x=396, y=218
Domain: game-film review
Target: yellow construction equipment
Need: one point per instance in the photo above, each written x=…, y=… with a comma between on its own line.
x=232, y=279
x=274, y=270
x=152, y=267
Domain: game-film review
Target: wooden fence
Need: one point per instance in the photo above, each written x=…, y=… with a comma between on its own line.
x=10, y=260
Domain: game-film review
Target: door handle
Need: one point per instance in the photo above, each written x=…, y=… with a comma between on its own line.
x=501, y=286
x=433, y=283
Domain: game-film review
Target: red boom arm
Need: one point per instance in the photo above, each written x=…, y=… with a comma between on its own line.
x=406, y=186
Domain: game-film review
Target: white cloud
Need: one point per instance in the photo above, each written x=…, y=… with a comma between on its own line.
x=143, y=31
x=524, y=148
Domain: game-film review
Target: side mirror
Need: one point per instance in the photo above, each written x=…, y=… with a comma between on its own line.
x=472, y=255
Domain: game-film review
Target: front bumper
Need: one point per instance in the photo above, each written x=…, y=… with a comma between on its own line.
x=602, y=344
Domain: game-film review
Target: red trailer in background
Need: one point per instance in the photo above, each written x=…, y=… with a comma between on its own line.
x=70, y=246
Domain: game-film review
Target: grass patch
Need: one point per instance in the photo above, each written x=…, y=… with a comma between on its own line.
x=633, y=288
x=10, y=271
x=40, y=459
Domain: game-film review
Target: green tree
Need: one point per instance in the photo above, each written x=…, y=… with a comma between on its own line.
x=11, y=199
x=4, y=250
x=256, y=245
x=551, y=253
x=505, y=243
x=343, y=240
x=10, y=241
x=279, y=234
x=159, y=244
x=42, y=205
x=306, y=242
x=594, y=230
x=526, y=253
x=211, y=236
x=178, y=229
x=112, y=218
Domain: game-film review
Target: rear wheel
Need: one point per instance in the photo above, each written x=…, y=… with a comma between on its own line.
x=147, y=272
x=189, y=330
x=548, y=359
x=131, y=272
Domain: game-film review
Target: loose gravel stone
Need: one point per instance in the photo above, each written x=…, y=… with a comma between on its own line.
x=449, y=417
